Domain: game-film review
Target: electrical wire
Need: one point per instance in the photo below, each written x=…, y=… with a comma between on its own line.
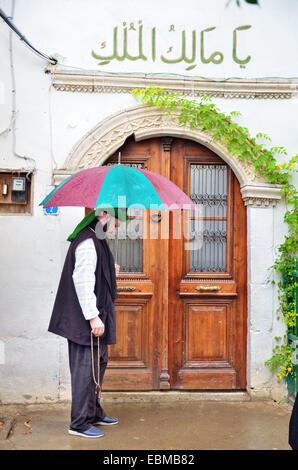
x=52, y=60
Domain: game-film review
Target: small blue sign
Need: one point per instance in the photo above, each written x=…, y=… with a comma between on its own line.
x=51, y=210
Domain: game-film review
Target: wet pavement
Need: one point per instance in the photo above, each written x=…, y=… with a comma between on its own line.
x=181, y=425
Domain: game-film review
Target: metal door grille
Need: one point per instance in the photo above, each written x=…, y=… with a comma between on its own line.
x=130, y=237
x=208, y=188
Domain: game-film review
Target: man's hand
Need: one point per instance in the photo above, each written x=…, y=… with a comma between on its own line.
x=117, y=268
x=97, y=326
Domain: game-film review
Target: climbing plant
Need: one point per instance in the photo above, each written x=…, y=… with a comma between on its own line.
x=205, y=115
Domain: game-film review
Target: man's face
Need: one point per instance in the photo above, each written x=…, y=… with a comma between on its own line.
x=112, y=224
x=109, y=223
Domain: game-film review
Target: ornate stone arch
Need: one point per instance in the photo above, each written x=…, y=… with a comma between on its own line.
x=144, y=122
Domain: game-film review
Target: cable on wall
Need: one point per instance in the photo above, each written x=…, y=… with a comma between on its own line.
x=14, y=110
x=5, y=18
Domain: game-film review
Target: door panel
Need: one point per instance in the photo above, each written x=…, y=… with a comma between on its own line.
x=209, y=320
x=135, y=362
x=206, y=326
x=130, y=360
x=181, y=306
x=207, y=345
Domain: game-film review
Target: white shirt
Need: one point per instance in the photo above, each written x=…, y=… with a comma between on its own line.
x=84, y=277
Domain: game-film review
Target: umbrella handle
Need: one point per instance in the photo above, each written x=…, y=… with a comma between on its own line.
x=116, y=247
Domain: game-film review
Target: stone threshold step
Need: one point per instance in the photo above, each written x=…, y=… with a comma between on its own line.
x=170, y=395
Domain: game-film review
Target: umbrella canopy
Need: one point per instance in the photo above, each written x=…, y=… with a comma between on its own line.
x=118, y=186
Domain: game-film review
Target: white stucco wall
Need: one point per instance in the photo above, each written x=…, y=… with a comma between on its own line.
x=48, y=123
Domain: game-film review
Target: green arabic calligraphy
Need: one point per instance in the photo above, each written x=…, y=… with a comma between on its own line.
x=125, y=54
x=235, y=58
x=212, y=58
x=183, y=52
x=153, y=44
x=216, y=57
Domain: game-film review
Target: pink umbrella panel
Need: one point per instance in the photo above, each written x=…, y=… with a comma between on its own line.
x=118, y=186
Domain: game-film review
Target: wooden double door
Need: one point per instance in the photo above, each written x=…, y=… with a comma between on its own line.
x=181, y=306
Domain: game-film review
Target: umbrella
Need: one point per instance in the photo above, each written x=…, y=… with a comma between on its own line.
x=118, y=186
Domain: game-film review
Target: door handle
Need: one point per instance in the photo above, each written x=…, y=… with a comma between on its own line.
x=215, y=288
x=126, y=288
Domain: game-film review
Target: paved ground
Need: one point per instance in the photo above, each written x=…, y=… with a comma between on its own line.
x=183, y=425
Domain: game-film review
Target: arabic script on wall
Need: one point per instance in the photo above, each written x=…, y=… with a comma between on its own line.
x=189, y=54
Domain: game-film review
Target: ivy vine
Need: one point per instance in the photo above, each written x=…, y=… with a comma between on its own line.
x=205, y=115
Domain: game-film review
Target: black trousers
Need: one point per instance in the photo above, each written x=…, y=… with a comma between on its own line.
x=85, y=405
x=293, y=426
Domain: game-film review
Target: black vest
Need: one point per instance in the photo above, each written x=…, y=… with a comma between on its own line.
x=67, y=318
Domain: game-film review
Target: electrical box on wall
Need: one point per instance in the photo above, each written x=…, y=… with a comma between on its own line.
x=18, y=189
x=15, y=193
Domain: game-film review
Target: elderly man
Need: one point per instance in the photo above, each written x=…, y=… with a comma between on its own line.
x=84, y=313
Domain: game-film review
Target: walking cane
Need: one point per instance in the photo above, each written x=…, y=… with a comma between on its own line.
x=116, y=246
x=116, y=234
x=96, y=382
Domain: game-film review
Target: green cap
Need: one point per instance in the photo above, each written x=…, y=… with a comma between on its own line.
x=116, y=212
x=84, y=223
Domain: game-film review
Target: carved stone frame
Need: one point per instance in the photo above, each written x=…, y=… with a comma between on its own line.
x=105, y=82
x=144, y=122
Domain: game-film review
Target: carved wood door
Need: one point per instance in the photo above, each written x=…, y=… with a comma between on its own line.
x=181, y=306
x=207, y=281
